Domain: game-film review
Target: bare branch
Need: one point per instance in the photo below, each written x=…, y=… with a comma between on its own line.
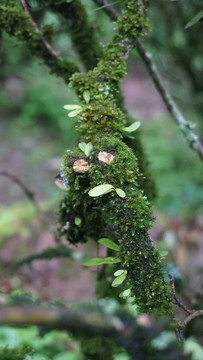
x=185, y=126
x=192, y=316
x=37, y=30
x=29, y=194
x=177, y=301
x=192, y=313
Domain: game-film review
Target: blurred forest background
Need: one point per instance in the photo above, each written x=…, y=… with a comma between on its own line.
x=35, y=131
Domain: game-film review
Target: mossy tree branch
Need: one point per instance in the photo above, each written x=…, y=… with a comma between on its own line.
x=101, y=121
x=17, y=23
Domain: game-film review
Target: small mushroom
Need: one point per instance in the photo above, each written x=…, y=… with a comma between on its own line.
x=81, y=166
x=105, y=157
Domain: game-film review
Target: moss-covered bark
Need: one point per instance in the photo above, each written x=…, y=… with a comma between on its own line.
x=125, y=220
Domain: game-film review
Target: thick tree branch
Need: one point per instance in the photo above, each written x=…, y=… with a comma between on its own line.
x=185, y=126
x=46, y=44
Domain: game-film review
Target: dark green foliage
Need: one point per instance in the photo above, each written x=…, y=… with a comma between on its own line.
x=17, y=353
x=98, y=348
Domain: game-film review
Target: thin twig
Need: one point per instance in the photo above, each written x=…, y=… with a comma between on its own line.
x=185, y=126
x=37, y=30
x=192, y=313
x=48, y=254
x=177, y=301
x=29, y=194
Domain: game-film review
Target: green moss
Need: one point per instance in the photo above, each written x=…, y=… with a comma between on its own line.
x=17, y=353
x=125, y=220
x=145, y=180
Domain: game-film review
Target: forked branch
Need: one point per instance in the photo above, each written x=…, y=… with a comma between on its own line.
x=192, y=313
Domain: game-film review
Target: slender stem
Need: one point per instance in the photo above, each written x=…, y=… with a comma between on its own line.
x=177, y=301
x=49, y=253
x=184, y=125
x=29, y=194
x=37, y=30
x=192, y=313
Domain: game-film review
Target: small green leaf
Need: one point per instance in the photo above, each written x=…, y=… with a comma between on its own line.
x=163, y=253
x=132, y=127
x=100, y=261
x=82, y=146
x=119, y=272
x=74, y=112
x=88, y=148
x=72, y=107
x=120, y=193
x=195, y=19
x=78, y=221
x=124, y=294
x=109, y=244
x=119, y=280
x=101, y=190
x=86, y=96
